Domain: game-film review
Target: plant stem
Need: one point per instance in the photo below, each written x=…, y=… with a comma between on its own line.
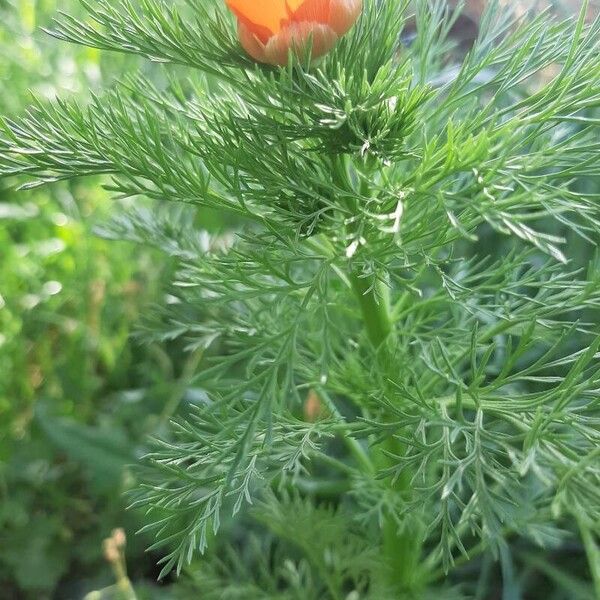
x=402, y=550
x=352, y=444
x=374, y=304
x=124, y=587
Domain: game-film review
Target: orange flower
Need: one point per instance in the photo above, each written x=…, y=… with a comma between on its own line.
x=268, y=29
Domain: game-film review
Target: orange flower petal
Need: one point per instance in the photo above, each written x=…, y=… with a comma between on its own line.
x=262, y=33
x=269, y=29
x=296, y=37
x=316, y=11
x=251, y=43
x=343, y=14
x=266, y=14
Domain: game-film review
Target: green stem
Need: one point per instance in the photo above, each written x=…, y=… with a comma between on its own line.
x=353, y=445
x=402, y=551
x=124, y=587
x=374, y=303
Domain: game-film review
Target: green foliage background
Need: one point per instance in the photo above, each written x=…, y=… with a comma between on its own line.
x=78, y=394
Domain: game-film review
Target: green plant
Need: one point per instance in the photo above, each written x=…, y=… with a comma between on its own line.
x=398, y=255
x=77, y=394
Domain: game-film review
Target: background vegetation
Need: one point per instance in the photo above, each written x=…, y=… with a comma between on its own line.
x=79, y=393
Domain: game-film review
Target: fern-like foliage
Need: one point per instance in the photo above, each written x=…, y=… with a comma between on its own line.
x=406, y=248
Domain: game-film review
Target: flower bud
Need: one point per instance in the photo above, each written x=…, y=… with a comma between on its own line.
x=118, y=535
x=111, y=551
x=269, y=29
x=313, y=407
